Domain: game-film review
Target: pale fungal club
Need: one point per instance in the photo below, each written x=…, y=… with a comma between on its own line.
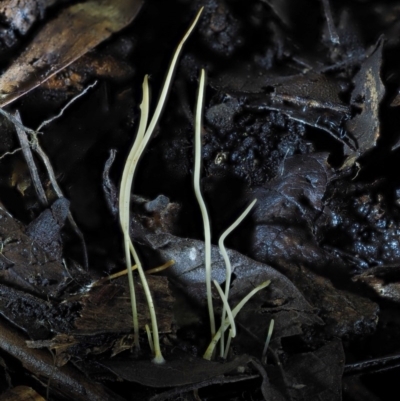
x=143, y=136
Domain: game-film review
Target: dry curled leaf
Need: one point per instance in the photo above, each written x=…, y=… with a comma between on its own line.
x=76, y=30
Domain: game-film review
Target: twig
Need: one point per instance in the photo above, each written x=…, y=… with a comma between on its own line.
x=47, y=122
x=110, y=191
x=16, y=121
x=334, y=37
x=10, y=153
x=26, y=150
x=46, y=161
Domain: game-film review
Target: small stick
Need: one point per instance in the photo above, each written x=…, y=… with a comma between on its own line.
x=46, y=161
x=10, y=153
x=50, y=120
x=26, y=150
x=329, y=21
x=16, y=121
x=109, y=189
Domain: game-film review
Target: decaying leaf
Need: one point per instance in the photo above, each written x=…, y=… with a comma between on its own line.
x=107, y=308
x=97, y=65
x=285, y=236
x=75, y=31
x=23, y=263
x=343, y=312
x=46, y=228
x=89, y=323
x=281, y=298
x=311, y=98
x=29, y=313
x=180, y=370
x=317, y=375
x=366, y=98
x=287, y=209
x=103, y=310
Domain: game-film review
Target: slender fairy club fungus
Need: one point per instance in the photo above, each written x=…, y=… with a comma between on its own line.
x=225, y=324
x=267, y=341
x=228, y=265
x=197, y=191
x=149, y=337
x=124, y=203
x=142, y=138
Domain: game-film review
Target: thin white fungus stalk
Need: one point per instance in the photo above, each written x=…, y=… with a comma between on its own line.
x=267, y=341
x=158, y=358
x=200, y=200
x=127, y=181
x=142, y=138
x=228, y=266
x=150, y=338
x=228, y=344
x=235, y=311
x=124, y=203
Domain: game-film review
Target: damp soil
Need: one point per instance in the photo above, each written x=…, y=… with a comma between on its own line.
x=301, y=113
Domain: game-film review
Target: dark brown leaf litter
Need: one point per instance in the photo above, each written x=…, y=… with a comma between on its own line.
x=297, y=89
x=66, y=380
x=24, y=264
x=365, y=99
x=179, y=371
x=18, y=18
x=106, y=308
x=21, y=393
x=78, y=29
